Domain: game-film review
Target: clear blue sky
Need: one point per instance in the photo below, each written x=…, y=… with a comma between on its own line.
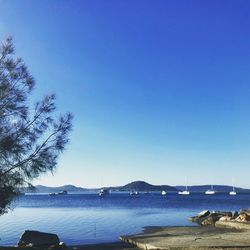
x=160, y=90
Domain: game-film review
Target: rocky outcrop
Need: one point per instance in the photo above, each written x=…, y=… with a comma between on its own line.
x=233, y=225
x=40, y=239
x=225, y=218
x=210, y=218
x=203, y=214
x=199, y=218
x=235, y=214
x=242, y=218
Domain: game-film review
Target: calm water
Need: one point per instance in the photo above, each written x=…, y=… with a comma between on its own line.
x=88, y=218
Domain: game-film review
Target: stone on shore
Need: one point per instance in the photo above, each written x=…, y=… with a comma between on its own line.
x=206, y=218
x=235, y=214
x=203, y=213
x=244, y=211
x=242, y=218
x=39, y=239
x=211, y=219
x=225, y=218
x=233, y=225
x=200, y=217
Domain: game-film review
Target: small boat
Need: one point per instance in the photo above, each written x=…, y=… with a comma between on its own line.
x=163, y=192
x=233, y=191
x=64, y=192
x=134, y=193
x=52, y=194
x=210, y=191
x=184, y=192
x=103, y=192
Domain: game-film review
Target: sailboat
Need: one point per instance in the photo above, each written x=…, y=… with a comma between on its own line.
x=103, y=192
x=210, y=191
x=233, y=191
x=163, y=192
x=184, y=192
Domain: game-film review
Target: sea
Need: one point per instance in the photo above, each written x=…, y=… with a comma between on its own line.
x=87, y=218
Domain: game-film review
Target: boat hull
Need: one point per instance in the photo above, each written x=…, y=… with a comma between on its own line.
x=184, y=192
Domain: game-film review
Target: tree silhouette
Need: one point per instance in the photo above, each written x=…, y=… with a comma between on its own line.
x=31, y=138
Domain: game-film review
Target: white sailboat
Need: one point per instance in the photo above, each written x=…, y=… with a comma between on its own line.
x=184, y=192
x=210, y=191
x=163, y=192
x=233, y=191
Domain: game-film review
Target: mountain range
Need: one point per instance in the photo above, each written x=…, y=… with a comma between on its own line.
x=140, y=186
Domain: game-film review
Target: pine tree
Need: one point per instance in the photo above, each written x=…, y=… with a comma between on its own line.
x=31, y=137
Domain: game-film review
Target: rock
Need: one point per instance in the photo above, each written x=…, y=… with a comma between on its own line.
x=200, y=217
x=36, y=238
x=225, y=218
x=203, y=214
x=223, y=213
x=233, y=225
x=243, y=211
x=208, y=221
x=194, y=219
x=235, y=214
x=206, y=218
x=242, y=218
x=211, y=219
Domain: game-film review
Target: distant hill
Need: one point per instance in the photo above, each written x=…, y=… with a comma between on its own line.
x=218, y=188
x=144, y=186
x=140, y=186
x=69, y=188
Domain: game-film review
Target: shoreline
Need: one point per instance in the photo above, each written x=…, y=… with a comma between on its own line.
x=160, y=237
x=116, y=245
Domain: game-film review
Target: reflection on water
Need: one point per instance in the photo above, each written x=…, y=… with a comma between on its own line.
x=87, y=218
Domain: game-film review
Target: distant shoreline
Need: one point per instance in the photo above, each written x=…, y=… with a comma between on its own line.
x=140, y=186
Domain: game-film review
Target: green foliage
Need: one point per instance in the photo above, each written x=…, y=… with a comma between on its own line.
x=31, y=139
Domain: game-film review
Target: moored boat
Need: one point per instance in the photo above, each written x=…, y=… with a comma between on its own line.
x=52, y=194
x=134, y=193
x=103, y=192
x=64, y=192
x=163, y=192
x=233, y=192
x=185, y=192
x=210, y=191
